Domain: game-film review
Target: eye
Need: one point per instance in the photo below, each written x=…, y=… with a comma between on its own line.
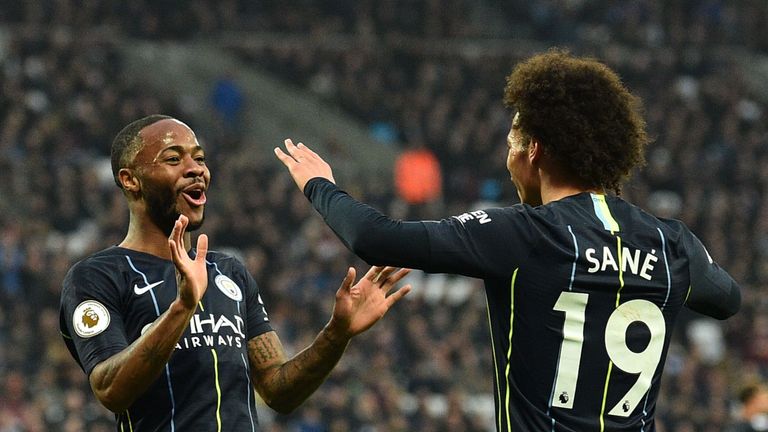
x=173, y=159
x=200, y=160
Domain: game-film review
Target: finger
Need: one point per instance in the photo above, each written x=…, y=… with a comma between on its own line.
x=397, y=295
x=384, y=274
x=396, y=277
x=349, y=279
x=183, y=220
x=308, y=150
x=202, y=247
x=174, y=250
x=292, y=149
x=373, y=273
x=172, y=239
x=287, y=160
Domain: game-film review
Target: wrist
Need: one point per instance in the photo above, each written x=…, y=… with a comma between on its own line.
x=179, y=307
x=334, y=334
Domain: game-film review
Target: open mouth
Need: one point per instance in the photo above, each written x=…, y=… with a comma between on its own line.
x=194, y=196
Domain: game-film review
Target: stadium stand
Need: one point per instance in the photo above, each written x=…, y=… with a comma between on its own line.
x=412, y=73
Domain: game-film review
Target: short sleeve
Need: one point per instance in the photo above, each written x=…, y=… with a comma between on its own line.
x=257, y=320
x=90, y=315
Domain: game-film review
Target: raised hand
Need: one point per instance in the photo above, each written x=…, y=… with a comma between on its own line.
x=360, y=306
x=303, y=163
x=191, y=275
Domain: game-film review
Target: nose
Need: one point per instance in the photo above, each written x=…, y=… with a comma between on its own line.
x=193, y=168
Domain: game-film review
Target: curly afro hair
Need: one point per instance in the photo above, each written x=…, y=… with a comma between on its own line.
x=582, y=114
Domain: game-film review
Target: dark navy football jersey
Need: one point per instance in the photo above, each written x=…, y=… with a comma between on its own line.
x=582, y=296
x=110, y=298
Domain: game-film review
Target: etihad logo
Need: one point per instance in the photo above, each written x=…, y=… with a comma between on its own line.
x=214, y=324
x=213, y=331
x=90, y=318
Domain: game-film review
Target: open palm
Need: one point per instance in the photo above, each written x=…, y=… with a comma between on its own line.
x=360, y=306
x=191, y=275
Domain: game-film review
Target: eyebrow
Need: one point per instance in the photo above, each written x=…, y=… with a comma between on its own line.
x=181, y=149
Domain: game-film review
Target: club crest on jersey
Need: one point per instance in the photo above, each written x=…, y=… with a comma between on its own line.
x=229, y=287
x=90, y=318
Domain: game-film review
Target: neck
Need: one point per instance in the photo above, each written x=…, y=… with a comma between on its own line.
x=554, y=189
x=145, y=236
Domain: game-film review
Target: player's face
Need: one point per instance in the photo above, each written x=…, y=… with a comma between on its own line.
x=521, y=171
x=174, y=176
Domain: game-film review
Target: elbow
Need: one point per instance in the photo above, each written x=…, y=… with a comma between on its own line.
x=730, y=307
x=283, y=407
x=734, y=303
x=112, y=401
x=365, y=247
x=108, y=395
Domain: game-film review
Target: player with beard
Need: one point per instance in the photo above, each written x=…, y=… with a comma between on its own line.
x=177, y=338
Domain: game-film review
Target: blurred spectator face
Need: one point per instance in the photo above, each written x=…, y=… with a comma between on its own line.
x=758, y=403
x=172, y=175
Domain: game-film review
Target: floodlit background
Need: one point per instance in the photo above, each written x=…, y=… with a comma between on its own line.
x=404, y=99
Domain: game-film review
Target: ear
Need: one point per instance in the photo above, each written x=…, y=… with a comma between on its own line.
x=535, y=151
x=128, y=180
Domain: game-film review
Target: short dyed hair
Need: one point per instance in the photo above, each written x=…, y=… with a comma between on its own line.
x=582, y=114
x=128, y=142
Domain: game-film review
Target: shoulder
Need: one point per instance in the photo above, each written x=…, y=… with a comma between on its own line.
x=224, y=258
x=95, y=275
x=638, y=218
x=104, y=261
x=226, y=262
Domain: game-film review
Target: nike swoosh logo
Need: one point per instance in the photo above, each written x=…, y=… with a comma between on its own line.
x=142, y=290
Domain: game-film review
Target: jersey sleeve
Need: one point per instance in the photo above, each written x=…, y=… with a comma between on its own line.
x=712, y=292
x=91, y=316
x=257, y=320
x=483, y=243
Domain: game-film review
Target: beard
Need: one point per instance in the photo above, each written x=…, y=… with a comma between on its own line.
x=163, y=209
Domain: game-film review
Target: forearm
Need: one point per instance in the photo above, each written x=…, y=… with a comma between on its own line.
x=118, y=381
x=287, y=384
x=368, y=233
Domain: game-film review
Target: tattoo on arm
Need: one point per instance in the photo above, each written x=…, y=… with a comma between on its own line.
x=283, y=383
x=264, y=349
x=153, y=355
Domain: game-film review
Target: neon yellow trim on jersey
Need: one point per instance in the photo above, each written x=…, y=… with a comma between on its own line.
x=509, y=351
x=687, y=295
x=218, y=389
x=127, y=419
x=495, y=364
x=605, y=396
x=621, y=272
x=605, y=214
x=610, y=363
x=200, y=303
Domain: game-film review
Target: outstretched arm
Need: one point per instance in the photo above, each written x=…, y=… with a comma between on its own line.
x=119, y=380
x=712, y=292
x=371, y=235
x=285, y=384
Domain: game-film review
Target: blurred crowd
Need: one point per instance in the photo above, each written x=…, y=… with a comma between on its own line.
x=62, y=102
